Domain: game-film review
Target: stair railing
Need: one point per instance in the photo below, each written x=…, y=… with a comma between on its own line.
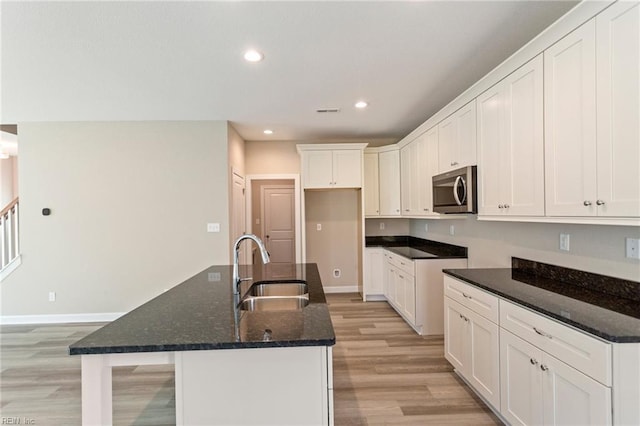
x=9, y=232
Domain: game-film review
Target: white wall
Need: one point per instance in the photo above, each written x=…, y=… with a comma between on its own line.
x=594, y=248
x=335, y=246
x=396, y=226
x=8, y=181
x=129, y=202
x=277, y=157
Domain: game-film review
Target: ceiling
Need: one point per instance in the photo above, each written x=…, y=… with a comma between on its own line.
x=112, y=61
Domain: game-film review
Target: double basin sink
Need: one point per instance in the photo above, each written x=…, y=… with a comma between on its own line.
x=287, y=295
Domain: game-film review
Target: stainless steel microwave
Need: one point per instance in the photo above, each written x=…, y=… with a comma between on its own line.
x=456, y=191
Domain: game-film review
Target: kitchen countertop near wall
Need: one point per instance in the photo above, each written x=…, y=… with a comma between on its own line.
x=604, y=306
x=417, y=248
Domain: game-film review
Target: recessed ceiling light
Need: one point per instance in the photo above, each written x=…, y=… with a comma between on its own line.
x=268, y=132
x=361, y=104
x=253, y=56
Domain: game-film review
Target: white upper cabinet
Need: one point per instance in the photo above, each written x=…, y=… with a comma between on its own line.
x=592, y=117
x=618, y=95
x=331, y=166
x=457, y=139
x=409, y=180
x=427, y=168
x=389, y=178
x=510, y=144
x=418, y=164
x=371, y=184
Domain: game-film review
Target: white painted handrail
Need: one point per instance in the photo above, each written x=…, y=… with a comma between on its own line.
x=9, y=234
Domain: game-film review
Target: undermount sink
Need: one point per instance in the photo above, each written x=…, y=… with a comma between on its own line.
x=271, y=303
x=278, y=288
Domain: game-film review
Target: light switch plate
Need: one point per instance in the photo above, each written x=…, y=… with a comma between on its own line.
x=565, y=242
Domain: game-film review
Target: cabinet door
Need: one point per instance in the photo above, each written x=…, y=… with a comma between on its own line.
x=570, y=124
x=406, y=179
x=399, y=283
x=455, y=336
x=520, y=381
x=427, y=168
x=409, y=299
x=347, y=168
x=570, y=397
x=618, y=138
x=484, y=357
x=446, y=144
x=373, y=272
x=523, y=147
x=371, y=189
x=318, y=169
x=491, y=126
x=389, y=173
x=466, y=136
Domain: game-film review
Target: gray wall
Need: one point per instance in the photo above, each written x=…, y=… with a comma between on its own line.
x=129, y=201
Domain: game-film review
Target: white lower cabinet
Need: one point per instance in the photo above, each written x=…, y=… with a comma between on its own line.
x=472, y=347
x=373, y=274
x=534, y=370
x=414, y=289
x=538, y=389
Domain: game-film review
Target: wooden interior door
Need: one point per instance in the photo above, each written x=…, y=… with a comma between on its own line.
x=278, y=219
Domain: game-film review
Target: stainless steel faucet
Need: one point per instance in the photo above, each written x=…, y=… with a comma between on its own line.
x=236, y=246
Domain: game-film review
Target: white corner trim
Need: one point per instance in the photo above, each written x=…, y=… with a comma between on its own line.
x=59, y=318
x=10, y=267
x=341, y=289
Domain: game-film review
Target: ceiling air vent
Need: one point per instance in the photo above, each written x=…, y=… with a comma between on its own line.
x=324, y=110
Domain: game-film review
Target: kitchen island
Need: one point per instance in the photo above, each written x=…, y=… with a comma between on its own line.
x=231, y=367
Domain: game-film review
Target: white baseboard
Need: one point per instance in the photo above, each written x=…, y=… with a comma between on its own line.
x=341, y=289
x=58, y=318
x=10, y=268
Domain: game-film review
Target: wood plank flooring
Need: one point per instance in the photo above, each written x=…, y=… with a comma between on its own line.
x=384, y=374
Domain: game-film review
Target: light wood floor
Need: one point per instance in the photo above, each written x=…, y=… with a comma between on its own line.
x=384, y=373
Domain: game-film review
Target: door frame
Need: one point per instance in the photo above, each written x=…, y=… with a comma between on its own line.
x=248, y=182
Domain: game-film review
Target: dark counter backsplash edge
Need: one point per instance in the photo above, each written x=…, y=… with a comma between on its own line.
x=417, y=243
x=612, y=286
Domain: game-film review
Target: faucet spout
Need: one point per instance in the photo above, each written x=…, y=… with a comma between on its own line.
x=236, y=247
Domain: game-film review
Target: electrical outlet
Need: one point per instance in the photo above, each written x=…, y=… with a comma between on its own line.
x=426, y=227
x=381, y=225
x=565, y=242
x=633, y=248
x=319, y=227
x=452, y=230
x=52, y=296
x=213, y=227
x=213, y=277
x=336, y=273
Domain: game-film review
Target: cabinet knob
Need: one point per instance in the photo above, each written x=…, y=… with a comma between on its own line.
x=406, y=210
x=506, y=206
x=587, y=203
x=454, y=163
x=533, y=361
x=500, y=206
x=600, y=202
x=543, y=367
x=425, y=209
x=397, y=210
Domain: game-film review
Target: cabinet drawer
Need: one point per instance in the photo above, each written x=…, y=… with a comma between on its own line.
x=401, y=262
x=472, y=297
x=579, y=350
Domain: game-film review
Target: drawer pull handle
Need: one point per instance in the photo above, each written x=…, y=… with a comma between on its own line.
x=543, y=367
x=542, y=333
x=533, y=361
x=464, y=318
x=466, y=296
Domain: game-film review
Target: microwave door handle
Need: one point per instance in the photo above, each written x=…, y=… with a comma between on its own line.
x=459, y=180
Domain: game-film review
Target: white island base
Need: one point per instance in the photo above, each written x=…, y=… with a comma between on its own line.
x=261, y=386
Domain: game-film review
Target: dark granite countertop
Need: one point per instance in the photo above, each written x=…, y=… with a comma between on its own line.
x=198, y=315
x=417, y=248
x=603, y=306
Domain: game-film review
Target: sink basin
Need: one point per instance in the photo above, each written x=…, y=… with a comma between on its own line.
x=261, y=304
x=278, y=288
